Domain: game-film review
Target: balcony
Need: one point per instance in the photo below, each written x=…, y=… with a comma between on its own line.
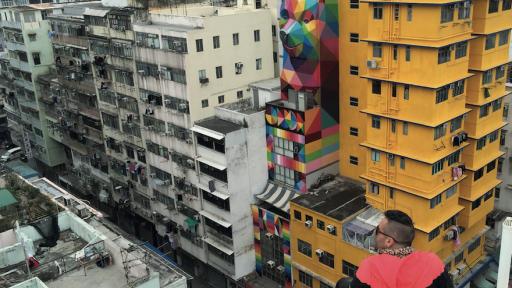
x=24, y=84
x=15, y=46
x=192, y=237
x=71, y=40
x=9, y=3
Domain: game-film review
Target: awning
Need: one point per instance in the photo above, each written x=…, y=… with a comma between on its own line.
x=207, y=132
x=211, y=163
x=95, y=12
x=214, y=193
x=278, y=196
x=218, y=245
x=215, y=219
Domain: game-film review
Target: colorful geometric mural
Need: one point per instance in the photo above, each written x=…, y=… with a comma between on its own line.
x=313, y=142
x=309, y=33
x=267, y=222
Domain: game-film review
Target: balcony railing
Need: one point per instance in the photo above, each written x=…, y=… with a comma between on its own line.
x=192, y=237
x=72, y=40
x=217, y=235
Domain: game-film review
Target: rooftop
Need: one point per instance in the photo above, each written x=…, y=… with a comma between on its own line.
x=338, y=199
x=202, y=9
x=273, y=84
x=218, y=125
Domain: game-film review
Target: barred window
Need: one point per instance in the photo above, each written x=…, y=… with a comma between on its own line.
x=147, y=40
x=121, y=49
x=124, y=77
x=175, y=44
x=153, y=124
x=177, y=104
x=111, y=121
x=453, y=158
x=160, y=174
x=174, y=74
x=147, y=69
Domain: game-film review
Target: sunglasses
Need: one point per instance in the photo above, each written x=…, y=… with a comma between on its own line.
x=378, y=231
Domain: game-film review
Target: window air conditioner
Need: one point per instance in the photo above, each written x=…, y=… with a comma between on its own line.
x=372, y=64
x=319, y=252
x=271, y=264
x=308, y=224
x=331, y=229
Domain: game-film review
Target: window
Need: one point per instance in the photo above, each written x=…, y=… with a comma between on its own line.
x=402, y=163
x=476, y=203
x=432, y=235
x=490, y=41
x=348, y=269
x=216, y=42
x=406, y=92
x=458, y=88
x=236, y=40
x=376, y=122
x=274, y=31
x=32, y=37
x=497, y=192
x=354, y=37
x=297, y=215
x=442, y=94
x=405, y=128
x=375, y=155
x=443, y=55
x=437, y=167
x=453, y=158
x=493, y=6
x=491, y=166
x=393, y=126
x=374, y=188
x=409, y=12
x=487, y=77
x=285, y=176
x=507, y=5
x=440, y=131
x=484, y=110
x=354, y=101
x=258, y=64
x=305, y=279
x=435, y=201
x=461, y=49
x=376, y=86
x=327, y=259
x=464, y=9
x=395, y=52
x=472, y=247
x=354, y=70
x=500, y=72
x=493, y=136
x=354, y=131
x=274, y=55
x=455, y=124
x=354, y=4
x=353, y=160
x=220, y=99
x=488, y=195
x=459, y=258
x=447, y=12
x=480, y=143
x=450, y=191
x=323, y=285
x=377, y=50
x=391, y=193
x=218, y=72
x=199, y=45
x=256, y=35
x=204, y=103
x=478, y=174
x=407, y=53
x=503, y=137
x=320, y=224
x=377, y=11
x=304, y=247
x=239, y=94
x=37, y=58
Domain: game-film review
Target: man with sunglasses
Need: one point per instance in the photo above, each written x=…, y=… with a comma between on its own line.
x=397, y=265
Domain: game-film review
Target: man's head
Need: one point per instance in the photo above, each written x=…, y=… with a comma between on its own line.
x=396, y=230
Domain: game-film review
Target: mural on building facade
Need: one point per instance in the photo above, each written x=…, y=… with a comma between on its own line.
x=302, y=135
x=264, y=222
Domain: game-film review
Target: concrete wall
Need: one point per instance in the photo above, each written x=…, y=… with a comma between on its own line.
x=504, y=202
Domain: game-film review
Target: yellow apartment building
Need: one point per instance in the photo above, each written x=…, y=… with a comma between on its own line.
x=421, y=89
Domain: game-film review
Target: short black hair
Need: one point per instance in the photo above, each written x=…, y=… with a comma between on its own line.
x=404, y=231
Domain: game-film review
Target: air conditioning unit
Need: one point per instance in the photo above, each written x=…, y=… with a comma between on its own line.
x=319, y=252
x=372, y=64
x=271, y=264
x=191, y=163
x=454, y=273
x=152, y=175
x=142, y=72
x=280, y=268
x=308, y=223
x=167, y=102
x=197, y=217
x=204, y=80
x=188, y=140
x=269, y=236
x=331, y=229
